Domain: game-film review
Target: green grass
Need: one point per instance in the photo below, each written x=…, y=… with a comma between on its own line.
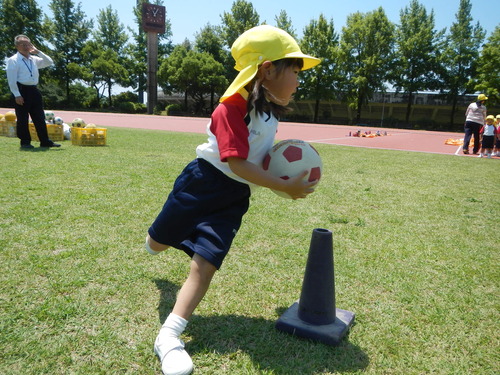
x=416, y=258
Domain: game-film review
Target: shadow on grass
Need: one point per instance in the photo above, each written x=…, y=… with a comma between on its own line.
x=268, y=348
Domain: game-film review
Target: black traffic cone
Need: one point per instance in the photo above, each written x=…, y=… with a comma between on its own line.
x=315, y=316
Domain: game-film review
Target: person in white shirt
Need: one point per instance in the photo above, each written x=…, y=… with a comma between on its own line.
x=22, y=76
x=475, y=117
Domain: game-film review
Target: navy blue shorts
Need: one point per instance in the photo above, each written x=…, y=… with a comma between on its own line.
x=203, y=212
x=488, y=141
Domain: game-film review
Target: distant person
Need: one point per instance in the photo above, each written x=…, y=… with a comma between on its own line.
x=488, y=134
x=475, y=117
x=22, y=76
x=204, y=210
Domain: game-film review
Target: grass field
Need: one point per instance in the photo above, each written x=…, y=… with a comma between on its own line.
x=416, y=258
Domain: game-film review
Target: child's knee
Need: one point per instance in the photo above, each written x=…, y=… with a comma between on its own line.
x=154, y=245
x=202, y=267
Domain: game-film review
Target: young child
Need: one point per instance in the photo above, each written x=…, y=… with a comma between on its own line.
x=489, y=133
x=496, y=150
x=204, y=210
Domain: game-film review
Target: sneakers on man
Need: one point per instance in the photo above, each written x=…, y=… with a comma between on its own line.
x=174, y=359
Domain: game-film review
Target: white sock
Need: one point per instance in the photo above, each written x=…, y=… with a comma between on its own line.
x=173, y=326
x=149, y=249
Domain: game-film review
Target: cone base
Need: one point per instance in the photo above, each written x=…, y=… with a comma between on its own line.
x=330, y=334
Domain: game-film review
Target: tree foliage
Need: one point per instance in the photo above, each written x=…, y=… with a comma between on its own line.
x=366, y=53
x=418, y=44
x=67, y=31
x=196, y=74
x=461, y=54
x=320, y=83
x=285, y=23
x=242, y=17
x=20, y=17
x=488, y=68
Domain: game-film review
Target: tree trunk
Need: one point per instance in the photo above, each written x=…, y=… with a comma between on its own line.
x=453, y=110
x=316, y=111
x=408, y=107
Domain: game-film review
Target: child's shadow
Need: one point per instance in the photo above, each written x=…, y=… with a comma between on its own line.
x=268, y=348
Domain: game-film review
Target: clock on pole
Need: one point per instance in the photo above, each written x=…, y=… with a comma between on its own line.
x=153, y=23
x=153, y=18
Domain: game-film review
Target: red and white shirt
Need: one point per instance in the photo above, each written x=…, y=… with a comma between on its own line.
x=488, y=130
x=233, y=132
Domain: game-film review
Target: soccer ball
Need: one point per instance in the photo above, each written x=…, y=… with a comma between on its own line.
x=291, y=157
x=66, y=131
x=49, y=116
x=78, y=123
x=90, y=126
x=58, y=120
x=10, y=116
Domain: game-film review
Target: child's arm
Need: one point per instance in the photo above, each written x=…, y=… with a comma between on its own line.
x=294, y=187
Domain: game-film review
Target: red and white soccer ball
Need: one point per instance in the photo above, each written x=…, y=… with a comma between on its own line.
x=291, y=157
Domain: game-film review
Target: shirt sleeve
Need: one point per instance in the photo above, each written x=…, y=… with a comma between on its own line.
x=42, y=60
x=230, y=129
x=11, y=70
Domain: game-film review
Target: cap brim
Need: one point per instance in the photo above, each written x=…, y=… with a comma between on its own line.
x=309, y=61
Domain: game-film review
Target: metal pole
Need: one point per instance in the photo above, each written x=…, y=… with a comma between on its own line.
x=152, y=41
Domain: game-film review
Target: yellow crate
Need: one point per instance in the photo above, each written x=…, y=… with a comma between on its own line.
x=8, y=129
x=88, y=136
x=56, y=132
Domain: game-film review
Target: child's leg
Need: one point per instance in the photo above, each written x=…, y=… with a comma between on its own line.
x=195, y=287
x=168, y=346
x=154, y=247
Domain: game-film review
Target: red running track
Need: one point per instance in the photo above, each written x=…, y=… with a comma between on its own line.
x=396, y=139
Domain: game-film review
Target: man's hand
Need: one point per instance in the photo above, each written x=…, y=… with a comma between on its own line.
x=19, y=100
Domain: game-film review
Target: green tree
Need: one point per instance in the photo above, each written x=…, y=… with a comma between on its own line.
x=68, y=30
x=417, y=52
x=320, y=40
x=196, y=74
x=20, y=17
x=209, y=40
x=488, y=70
x=285, y=23
x=366, y=49
x=243, y=16
x=461, y=54
x=110, y=60
x=101, y=68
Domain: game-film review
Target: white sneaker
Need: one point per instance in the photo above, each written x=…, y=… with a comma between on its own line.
x=480, y=156
x=174, y=359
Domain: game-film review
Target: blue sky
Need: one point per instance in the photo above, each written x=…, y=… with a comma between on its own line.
x=188, y=17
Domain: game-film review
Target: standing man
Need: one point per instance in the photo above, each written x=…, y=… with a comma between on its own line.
x=475, y=117
x=22, y=75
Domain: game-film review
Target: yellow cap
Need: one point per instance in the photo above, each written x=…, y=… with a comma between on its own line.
x=481, y=97
x=259, y=44
x=490, y=117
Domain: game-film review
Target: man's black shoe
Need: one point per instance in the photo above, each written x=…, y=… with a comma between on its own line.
x=51, y=144
x=27, y=147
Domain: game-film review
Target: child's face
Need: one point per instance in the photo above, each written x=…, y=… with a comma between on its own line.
x=282, y=86
x=489, y=121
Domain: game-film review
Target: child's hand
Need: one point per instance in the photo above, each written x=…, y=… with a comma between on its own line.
x=297, y=188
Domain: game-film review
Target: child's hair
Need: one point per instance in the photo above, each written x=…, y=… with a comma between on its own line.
x=258, y=95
